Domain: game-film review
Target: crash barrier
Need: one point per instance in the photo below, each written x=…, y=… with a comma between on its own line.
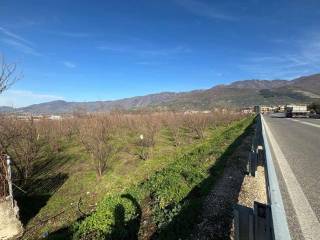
x=263, y=221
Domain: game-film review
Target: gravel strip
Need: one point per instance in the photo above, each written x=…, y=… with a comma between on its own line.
x=217, y=213
x=253, y=189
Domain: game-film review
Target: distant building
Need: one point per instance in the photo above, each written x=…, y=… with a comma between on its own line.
x=264, y=109
x=26, y=117
x=191, y=112
x=246, y=110
x=55, y=117
x=194, y=112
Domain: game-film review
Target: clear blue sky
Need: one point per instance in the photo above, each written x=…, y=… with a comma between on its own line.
x=103, y=50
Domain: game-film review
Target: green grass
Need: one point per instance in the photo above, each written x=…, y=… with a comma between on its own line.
x=173, y=194
x=81, y=179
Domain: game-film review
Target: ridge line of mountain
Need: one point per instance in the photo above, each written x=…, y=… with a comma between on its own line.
x=236, y=94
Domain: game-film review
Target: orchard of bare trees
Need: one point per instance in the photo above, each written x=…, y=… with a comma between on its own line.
x=101, y=137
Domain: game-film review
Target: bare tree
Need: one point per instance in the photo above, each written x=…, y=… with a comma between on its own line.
x=23, y=146
x=7, y=74
x=7, y=78
x=197, y=123
x=9, y=131
x=96, y=134
x=52, y=133
x=146, y=127
x=173, y=122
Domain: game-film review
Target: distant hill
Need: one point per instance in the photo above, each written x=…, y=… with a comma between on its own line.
x=260, y=84
x=237, y=94
x=6, y=109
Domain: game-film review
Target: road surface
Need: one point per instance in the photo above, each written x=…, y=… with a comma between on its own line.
x=295, y=146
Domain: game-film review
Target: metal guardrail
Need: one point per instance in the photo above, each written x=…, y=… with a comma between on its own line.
x=280, y=229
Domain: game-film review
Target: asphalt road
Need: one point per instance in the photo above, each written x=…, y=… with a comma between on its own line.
x=298, y=142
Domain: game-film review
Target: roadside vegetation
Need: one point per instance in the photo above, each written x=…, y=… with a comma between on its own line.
x=103, y=175
x=314, y=107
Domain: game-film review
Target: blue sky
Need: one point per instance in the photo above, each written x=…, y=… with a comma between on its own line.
x=104, y=50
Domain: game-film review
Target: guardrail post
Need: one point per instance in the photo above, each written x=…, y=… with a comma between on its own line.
x=262, y=227
x=252, y=163
x=243, y=223
x=260, y=154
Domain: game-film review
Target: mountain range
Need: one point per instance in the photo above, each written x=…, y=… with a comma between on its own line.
x=237, y=94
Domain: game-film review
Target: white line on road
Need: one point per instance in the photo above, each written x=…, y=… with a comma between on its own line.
x=308, y=221
x=306, y=123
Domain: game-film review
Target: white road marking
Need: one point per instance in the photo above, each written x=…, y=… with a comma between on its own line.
x=306, y=123
x=308, y=221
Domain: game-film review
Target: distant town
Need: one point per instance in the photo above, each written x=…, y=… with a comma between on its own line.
x=289, y=110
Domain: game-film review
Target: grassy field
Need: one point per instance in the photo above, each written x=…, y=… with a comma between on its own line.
x=167, y=201
x=83, y=183
x=134, y=197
